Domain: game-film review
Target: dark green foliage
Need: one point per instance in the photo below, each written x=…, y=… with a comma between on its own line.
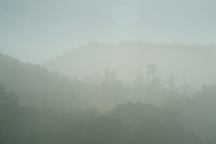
x=10, y=117
x=199, y=112
x=37, y=112
x=126, y=124
x=137, y=114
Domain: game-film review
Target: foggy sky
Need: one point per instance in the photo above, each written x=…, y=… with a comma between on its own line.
x=36, y=30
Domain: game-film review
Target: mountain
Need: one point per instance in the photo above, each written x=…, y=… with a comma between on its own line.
x=37, y=87
x=193, y=62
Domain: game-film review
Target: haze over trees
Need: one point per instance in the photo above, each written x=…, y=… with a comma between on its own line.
x=193, y=63
x=49, y=105
x=107, y=72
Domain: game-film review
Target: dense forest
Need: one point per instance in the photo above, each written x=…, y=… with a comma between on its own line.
x=39, y=106
x=107, y=72
x=126, y=123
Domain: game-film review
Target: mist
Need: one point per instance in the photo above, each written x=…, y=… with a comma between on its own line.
x=35, y=31
x=107, y=72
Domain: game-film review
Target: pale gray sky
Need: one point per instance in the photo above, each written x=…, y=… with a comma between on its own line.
x=35, y=30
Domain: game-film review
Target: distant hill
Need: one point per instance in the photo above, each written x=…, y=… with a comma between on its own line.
x=38, y=87
x=193, y=62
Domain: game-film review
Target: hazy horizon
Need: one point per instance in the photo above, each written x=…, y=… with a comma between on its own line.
x=35, y=31
x=107, y=72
